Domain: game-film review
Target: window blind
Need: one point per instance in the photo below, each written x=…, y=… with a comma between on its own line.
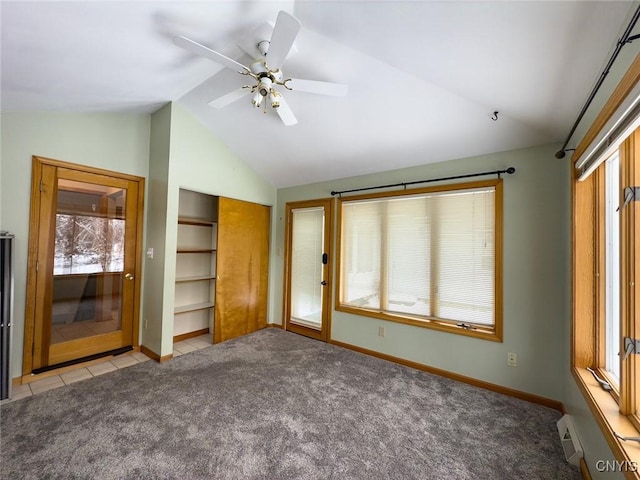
x=429, y=255
x=306, y=266
x=622, y=123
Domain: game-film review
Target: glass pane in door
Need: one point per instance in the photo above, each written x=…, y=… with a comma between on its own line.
x=88, y=260
x=306, y=266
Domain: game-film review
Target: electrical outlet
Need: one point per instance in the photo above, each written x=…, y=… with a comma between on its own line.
x=512, y=359
x=381, y=331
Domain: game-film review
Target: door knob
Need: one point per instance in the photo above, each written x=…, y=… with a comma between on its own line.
x=129, y=276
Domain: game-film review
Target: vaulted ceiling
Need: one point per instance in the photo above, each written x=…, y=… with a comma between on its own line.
x=424, y=77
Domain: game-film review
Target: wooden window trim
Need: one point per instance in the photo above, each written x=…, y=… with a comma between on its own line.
x=587, y=345
x=493, y=334
x=612, y=410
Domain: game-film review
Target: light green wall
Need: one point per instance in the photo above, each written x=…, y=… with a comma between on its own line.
x=201, y=162
x=116, y=142
x=198, y=161
x=536, y=279
x=152, y=319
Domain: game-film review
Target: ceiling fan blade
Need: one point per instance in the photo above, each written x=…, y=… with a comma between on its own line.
x=229, y=98
x=321, y=88
x=285, y=113
x=203, y=51
x=284, y=34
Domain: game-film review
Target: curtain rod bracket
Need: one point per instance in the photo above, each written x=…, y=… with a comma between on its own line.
x=560, y=154
x=632, y=38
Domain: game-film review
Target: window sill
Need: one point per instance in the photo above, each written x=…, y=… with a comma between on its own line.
x=434, y=324
x=605, y=410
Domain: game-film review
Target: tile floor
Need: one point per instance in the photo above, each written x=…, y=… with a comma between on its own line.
x=110, y=365
x=63, y=332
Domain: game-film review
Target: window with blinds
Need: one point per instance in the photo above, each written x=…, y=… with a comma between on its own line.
x=427, y=257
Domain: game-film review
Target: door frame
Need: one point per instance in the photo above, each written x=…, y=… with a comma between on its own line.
x=327, y=302
x=36, y=243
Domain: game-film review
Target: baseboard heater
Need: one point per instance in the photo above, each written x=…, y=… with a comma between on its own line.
x=569, y=439
x=117, y=351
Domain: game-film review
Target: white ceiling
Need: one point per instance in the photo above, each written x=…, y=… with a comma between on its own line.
x=424, y=77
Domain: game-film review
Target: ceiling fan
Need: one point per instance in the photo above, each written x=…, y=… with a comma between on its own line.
x=265, y=70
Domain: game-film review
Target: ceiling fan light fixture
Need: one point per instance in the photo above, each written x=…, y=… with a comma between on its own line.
x=264, y=87
x=257, y=99
x=274, y=98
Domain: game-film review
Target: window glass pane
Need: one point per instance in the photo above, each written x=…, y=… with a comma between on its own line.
x=612, y=268
x=88, y=245
x=408, y=253
x=88, y=260
x=466, y=261
x=361, y=235
x=89, y=228
x=306, y=266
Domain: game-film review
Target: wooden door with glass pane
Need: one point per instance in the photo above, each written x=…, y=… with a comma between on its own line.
x=83, y=286
x=308, y=273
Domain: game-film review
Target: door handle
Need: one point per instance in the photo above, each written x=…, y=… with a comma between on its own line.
x=323, y=282
x=129, y=276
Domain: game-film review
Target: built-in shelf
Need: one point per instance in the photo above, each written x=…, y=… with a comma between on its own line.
x=195, y=221
x=193, y=307
x=195, y=250
x=196, y=278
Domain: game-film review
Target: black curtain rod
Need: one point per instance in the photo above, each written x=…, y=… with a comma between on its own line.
x=624, y=39
x=509, y=170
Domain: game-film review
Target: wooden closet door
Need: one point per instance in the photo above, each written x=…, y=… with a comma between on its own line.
x=241, y=268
